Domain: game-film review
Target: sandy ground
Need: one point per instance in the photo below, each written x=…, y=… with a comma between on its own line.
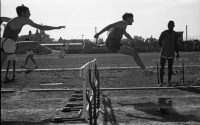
x=182, y=106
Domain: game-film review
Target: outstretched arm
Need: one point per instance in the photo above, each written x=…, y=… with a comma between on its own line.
x=120, y=24
x=41, y=27
x=5, y=19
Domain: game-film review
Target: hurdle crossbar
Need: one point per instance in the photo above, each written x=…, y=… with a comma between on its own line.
x=7, y=91
x=51, y=90
x=148, y=88
x=176, y=60
x=104, y=89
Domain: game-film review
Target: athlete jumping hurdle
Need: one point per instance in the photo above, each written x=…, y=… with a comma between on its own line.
x=113, y=42
x=9, y=44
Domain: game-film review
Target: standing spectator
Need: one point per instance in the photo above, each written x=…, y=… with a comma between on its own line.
x=11, y=57
x=168, y=44
x=30, y=55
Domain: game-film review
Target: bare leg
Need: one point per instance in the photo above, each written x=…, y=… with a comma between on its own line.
x=26, y=61
x=170, y=64
x=31, y=57
x=7, y=69
x=25, y=46
x=3, y=58
x=14, y=63
x=130, y=51
x=162, y=67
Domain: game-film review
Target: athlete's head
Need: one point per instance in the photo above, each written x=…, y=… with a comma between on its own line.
x=171, y=25
x=128, y=17
x=23, y=11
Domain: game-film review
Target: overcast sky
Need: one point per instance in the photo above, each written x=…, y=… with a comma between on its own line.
x=82, y=16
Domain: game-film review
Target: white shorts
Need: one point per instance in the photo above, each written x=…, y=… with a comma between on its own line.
x=12, y=57
x=8, y=46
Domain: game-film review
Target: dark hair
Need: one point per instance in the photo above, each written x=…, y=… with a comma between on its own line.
x=27, y=39
x=171, y=22
x=126, y=15
x=21, y=9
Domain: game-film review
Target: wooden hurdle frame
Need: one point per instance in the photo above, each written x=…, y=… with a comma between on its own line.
x=183, y=68
x=197, y=81
x=91, y=97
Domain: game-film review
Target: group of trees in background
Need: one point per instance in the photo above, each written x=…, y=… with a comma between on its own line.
x=140, y=44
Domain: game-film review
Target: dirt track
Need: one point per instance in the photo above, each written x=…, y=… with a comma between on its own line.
x=117, y=107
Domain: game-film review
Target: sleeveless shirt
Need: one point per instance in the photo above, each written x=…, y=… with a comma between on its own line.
x=10, y=33
x=168, y=47
x=116, y=33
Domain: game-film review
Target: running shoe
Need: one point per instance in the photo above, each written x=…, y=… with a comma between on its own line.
x=160, y=85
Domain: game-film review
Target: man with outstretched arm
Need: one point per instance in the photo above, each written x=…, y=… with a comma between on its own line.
x=113, y=41
x=9, y=44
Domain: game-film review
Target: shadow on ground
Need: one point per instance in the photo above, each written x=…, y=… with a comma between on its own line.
x=108, y=112
x=163, y=109
x=25, y=122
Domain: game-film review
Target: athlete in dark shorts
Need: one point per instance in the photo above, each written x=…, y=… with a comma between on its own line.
x=113, y=42
x=168, y=44
x=113, y=45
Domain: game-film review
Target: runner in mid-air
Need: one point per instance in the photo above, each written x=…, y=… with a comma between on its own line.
x=113, y=41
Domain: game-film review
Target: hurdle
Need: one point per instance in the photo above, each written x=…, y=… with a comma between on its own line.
x=174, y=72
x=197, y=81
x=91, y=97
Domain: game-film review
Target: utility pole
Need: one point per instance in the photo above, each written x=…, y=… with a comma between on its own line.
x=186, y=32
x=83, y=41
x=96, y=33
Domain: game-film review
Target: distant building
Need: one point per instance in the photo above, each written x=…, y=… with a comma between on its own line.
x=180, y=36
x=41, y=37
x=32, y=37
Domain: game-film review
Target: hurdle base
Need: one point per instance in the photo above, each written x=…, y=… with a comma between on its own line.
x=73, y=104
x=61, y=119
x=69, y=109
x=75, y=99
x=78, y=91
